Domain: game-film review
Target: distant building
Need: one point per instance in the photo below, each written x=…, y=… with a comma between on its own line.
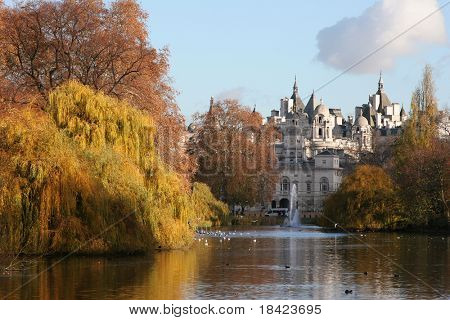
x=317, y=140
x=444, y=124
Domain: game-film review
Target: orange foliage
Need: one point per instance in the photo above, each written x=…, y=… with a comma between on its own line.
x=45, y=43
x=235, y=153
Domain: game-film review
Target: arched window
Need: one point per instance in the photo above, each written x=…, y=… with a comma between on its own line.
x=324, y=185
x=285, y=184
x=320, y=132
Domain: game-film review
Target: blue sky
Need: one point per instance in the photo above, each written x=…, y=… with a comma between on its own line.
x=252, y=49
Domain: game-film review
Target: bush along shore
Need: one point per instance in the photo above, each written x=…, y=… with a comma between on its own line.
x=83, y=174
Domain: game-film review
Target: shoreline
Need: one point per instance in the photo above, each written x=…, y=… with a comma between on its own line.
x=137, y=253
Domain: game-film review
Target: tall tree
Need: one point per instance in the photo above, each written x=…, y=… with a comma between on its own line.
x=45, y=43
x=235, y=153
x=422, y=127
x=421, y=159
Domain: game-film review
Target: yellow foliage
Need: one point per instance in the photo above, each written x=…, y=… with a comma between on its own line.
x=366, y=199
x=85, y=175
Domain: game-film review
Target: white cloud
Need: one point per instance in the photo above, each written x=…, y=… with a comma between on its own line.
x=237, y=93
x=351, y=39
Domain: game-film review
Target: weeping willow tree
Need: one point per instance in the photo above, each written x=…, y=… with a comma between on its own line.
x=84, y=174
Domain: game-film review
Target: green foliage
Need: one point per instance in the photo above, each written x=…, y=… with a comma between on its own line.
x=86, y=173
x=366, y=199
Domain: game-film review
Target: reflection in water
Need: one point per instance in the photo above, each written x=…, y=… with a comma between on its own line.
x=263, y=263
x=160, y=276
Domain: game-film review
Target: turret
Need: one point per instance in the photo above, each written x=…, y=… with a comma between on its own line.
x=380, y=83
x=298, y=103
x=211, y=103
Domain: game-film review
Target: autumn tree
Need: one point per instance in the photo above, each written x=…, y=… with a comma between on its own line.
x=235, y=153
x=45, y=43
x=421, y=159
x=366, y=199
x=84, y=175
x=422, y=126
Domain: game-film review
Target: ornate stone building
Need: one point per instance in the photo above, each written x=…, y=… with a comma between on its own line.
x=317, y=140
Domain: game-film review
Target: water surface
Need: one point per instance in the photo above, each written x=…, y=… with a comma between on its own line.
x=256, y=263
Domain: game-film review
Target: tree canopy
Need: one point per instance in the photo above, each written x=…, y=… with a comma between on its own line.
x=410, y=184
x=365, y=199
x=422, y=159
x=235, y=153
x=85, y=172
x=43, y=44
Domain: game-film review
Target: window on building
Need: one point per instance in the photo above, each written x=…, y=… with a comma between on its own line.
x=324, y=161
x=324, y=185
x=310, y=204
x=285, y=184
x=308, y=186
x=320, y=132
x=320, y=119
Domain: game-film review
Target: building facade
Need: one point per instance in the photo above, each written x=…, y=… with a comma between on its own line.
x=317, y=140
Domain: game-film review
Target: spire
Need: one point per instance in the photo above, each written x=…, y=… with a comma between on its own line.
x=254, y=108
x=402, y=112
x=211, y=103
x=298, y=103
x=380, y=83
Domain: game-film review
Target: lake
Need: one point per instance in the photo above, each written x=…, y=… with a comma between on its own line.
x=252, y=263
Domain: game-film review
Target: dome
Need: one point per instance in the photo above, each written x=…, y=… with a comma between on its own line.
x=322, y=109
x=361, y=122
